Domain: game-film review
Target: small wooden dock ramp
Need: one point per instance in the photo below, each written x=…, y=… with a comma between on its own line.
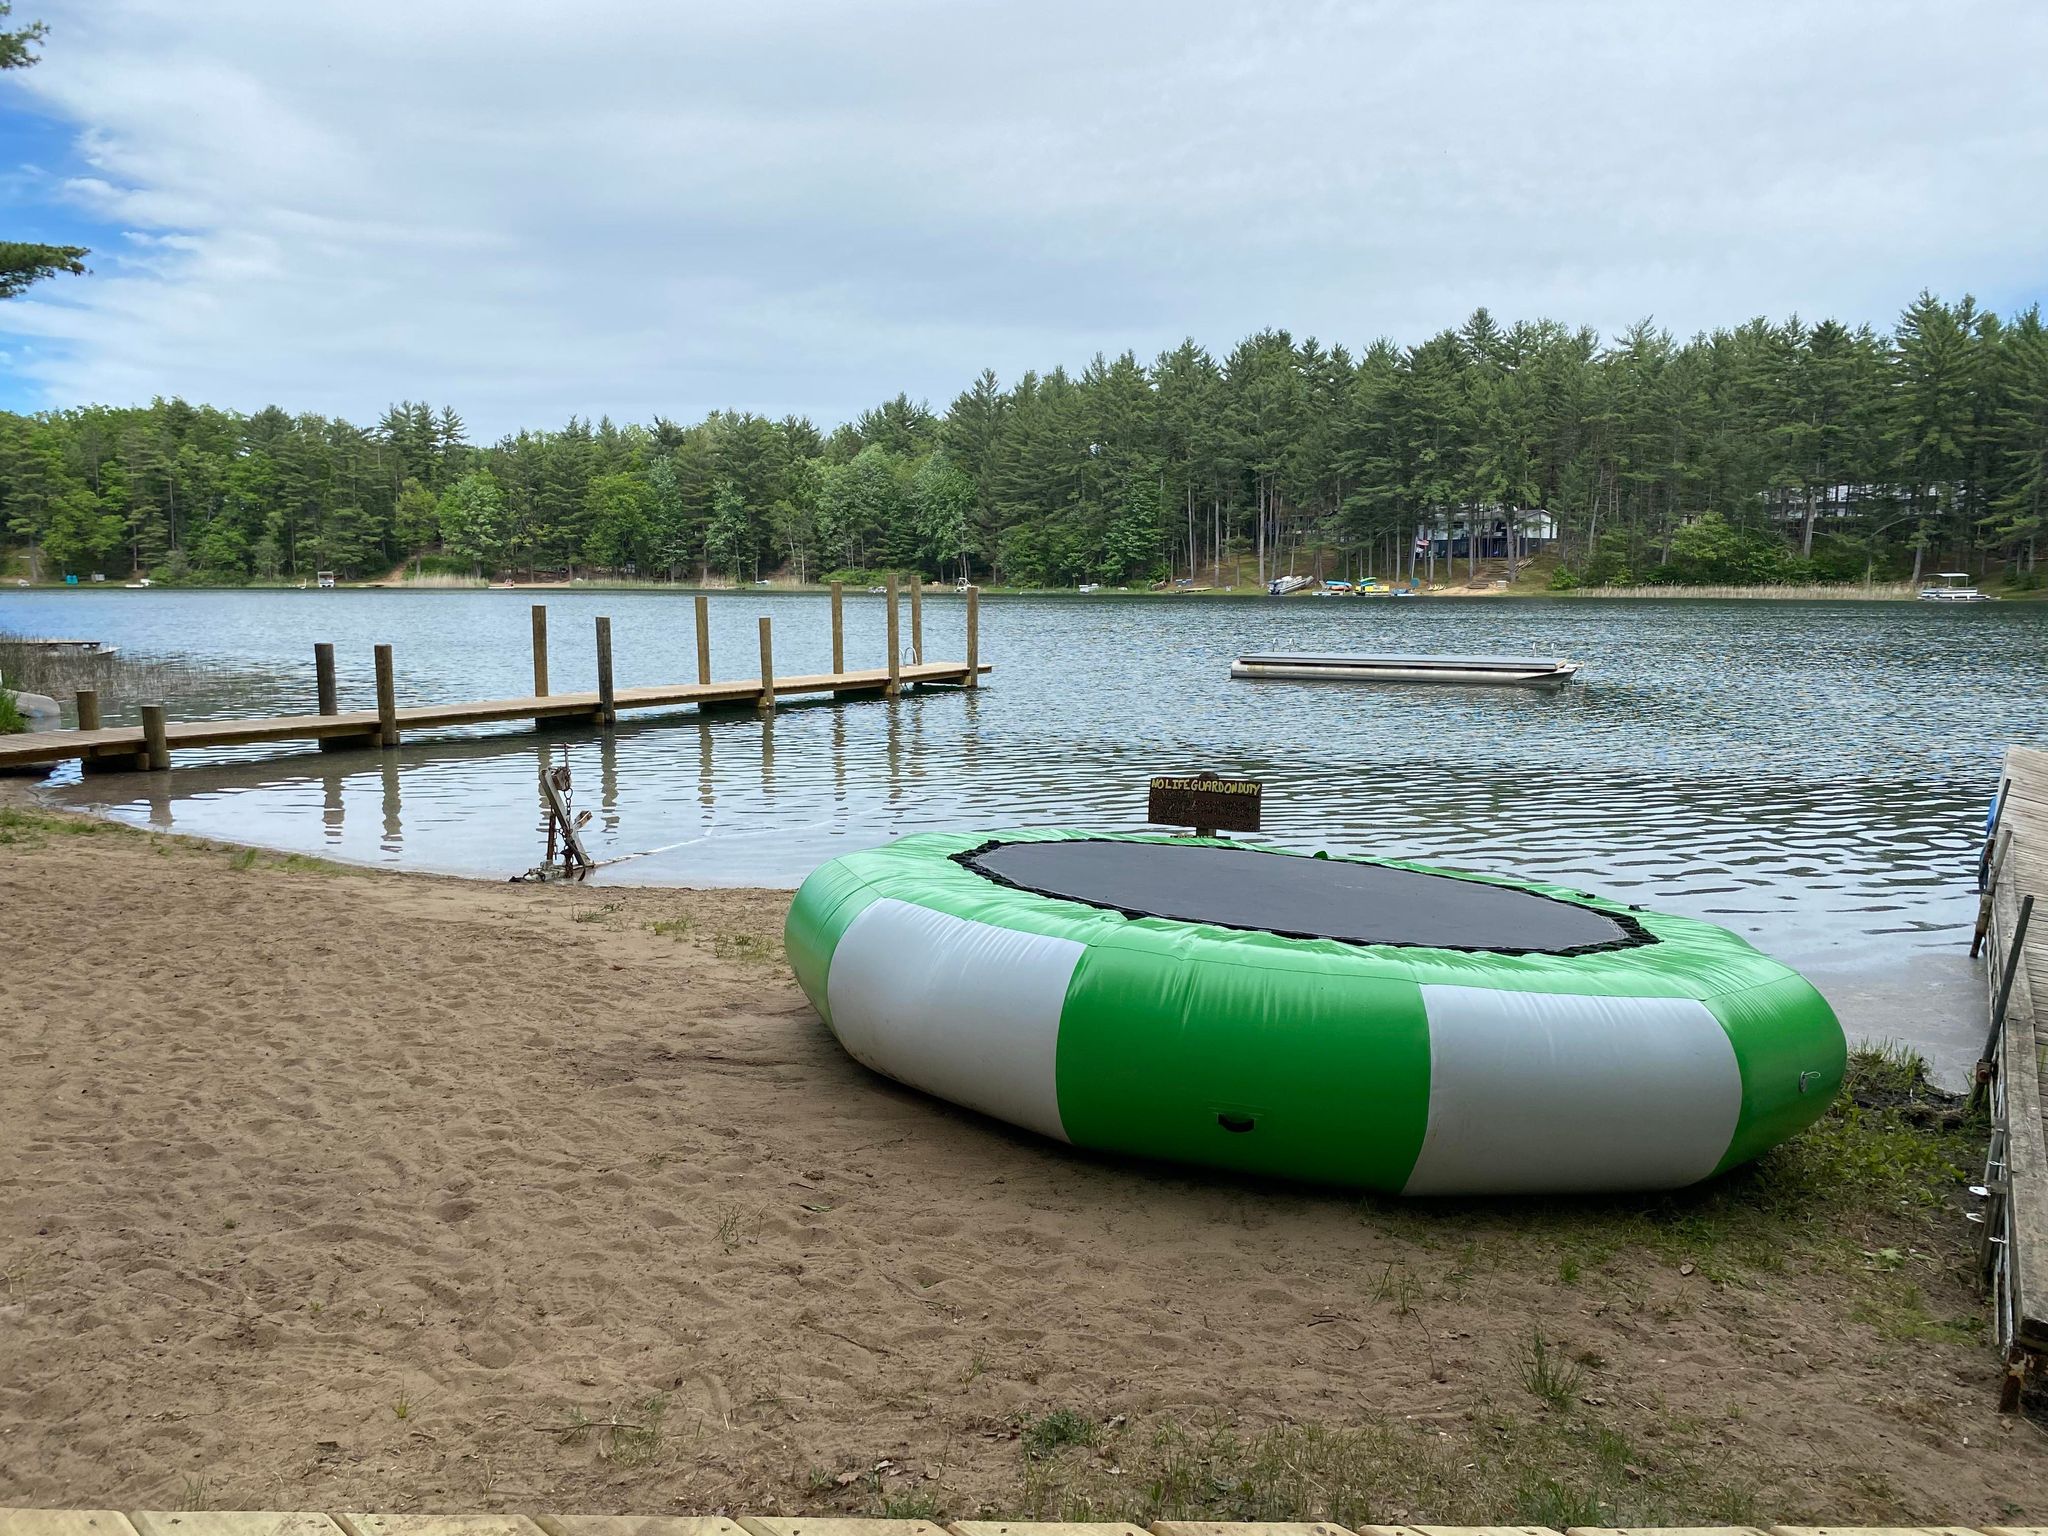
x=102, y=1522
x=149, y=745
x=2014, y=1071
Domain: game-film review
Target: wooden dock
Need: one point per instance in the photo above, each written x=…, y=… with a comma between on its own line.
x=150, y=744
x=2014, y=1072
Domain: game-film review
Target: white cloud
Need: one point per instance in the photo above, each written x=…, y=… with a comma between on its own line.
x=530, y=209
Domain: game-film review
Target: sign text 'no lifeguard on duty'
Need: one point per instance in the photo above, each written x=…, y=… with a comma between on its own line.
x=1205, y=802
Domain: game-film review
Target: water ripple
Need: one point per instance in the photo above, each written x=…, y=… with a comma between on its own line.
x=1811, y=774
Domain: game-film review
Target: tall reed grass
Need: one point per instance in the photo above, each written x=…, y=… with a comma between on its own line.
x=1848, y=591
x=28, y=667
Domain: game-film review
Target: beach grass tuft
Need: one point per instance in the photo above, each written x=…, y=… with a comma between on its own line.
x=748, y=948
x=1548, y=1373
x=1055, y=1431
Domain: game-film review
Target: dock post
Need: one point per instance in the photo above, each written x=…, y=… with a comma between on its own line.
x=895, y=683
x=323, y=679
x=917, y=618
x=703, y=638
x=330, y=697
x=607, y=710
x=156, y=750
x=838, y=628
x=387, y=700
x=767, y=703
x=974, y=637
x=89, y=720
x=540, y=650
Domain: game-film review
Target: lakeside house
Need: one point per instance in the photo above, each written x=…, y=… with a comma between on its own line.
x=1452, y=534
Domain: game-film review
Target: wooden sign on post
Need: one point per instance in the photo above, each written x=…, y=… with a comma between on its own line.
x=1206, y=802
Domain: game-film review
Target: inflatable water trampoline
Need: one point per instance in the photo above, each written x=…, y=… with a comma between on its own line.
x=1360, y=1022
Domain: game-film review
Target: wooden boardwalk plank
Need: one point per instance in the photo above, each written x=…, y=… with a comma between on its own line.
x=1049, y=1528
x=637, y=1525
x=2023, y=1048
x=438, y=1525
x=236, y=1522
x=830, y=1525
x=1247, y=1528
x=64, y=1522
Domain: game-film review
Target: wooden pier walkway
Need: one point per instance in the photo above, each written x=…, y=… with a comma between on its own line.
x=2015, y=1068
x=149, y=745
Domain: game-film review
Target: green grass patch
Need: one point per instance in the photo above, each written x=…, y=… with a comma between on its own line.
x=1897, y=1310
x=1548, y=1373
x=1043, y=1436
x=749, y=949
x=1546, y=1469
x=26, y=828
x=246, y=859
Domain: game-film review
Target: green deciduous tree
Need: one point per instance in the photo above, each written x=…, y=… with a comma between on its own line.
x=473, y=519
x=620, y=521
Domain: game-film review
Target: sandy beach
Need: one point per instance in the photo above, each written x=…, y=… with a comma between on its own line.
x=327, y=1189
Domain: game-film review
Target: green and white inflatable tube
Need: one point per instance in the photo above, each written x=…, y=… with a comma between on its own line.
x=1165, y=997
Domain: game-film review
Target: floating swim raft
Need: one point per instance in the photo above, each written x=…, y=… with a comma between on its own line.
x=1360, y=1022
x=1407, y=669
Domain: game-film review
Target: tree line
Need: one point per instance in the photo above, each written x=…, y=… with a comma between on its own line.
x=1773, y=451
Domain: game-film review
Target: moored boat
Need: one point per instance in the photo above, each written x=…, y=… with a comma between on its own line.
x=1954, y=588
x=1517, y=670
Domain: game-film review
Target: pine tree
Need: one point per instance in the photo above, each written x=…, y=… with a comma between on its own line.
x=22, y=265
x=2020, y=510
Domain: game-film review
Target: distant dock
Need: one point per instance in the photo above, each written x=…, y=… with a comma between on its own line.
x=149, y=745
x=2014, y=1072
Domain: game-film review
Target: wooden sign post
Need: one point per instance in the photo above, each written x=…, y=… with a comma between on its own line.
x=1205, y=801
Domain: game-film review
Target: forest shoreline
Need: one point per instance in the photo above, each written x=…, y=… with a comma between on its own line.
x=1882, y=593
x=1766, y=452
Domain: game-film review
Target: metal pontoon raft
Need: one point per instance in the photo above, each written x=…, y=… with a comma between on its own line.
x=1409, y=669
x=1955, y=588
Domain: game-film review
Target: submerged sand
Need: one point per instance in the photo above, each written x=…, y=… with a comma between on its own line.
x=326, y=1189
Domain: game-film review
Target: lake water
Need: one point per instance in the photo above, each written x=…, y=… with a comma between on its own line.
x=1813, y=775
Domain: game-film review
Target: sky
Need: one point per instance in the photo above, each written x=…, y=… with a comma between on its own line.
x=536, y=210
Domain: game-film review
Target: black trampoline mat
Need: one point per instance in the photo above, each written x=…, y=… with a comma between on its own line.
x=1299, y=897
